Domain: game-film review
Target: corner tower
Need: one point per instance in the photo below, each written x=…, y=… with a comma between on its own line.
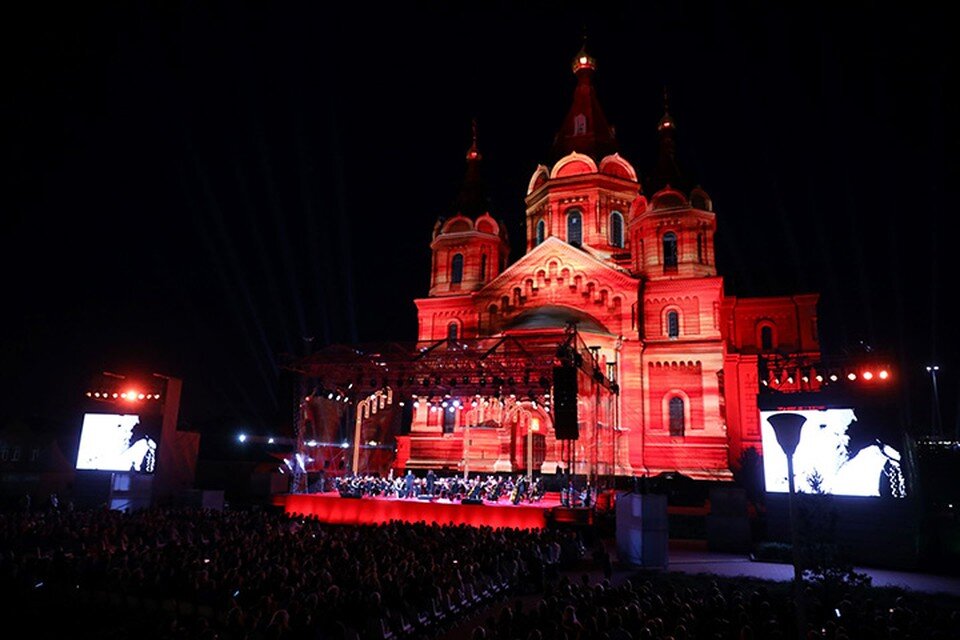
x=470, y=248
x=671, y=235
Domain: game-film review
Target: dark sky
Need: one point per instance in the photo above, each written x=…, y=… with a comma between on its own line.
x=193, y=188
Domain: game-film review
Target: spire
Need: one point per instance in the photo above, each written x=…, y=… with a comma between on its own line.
x=585, y=129
x=667, y=171
x=472, y=200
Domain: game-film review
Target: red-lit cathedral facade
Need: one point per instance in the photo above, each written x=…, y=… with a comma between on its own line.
x=632, y=267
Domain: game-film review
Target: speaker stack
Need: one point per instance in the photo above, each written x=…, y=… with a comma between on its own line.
x=565, y=422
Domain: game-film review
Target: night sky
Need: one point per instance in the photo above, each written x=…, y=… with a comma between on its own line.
x=195, y=188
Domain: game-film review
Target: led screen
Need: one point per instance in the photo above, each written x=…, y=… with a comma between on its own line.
x=117, y=442
x=841, y=451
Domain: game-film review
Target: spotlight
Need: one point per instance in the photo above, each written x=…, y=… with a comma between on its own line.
x=270, y=440
x=884, y=374
x=868, y=375
x=242, y=437
x=851, y=376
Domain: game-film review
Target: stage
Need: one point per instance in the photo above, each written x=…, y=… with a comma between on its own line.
x=331, y=507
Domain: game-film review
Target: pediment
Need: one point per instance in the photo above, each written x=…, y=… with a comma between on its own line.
x=558, y=255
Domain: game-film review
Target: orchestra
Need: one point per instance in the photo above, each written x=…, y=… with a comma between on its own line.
x=485, y=488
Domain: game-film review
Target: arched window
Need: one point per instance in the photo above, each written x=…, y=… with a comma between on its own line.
x=616, y=229
x=670, y=251
x=700, y=248
x=574, y=227
x=766, y=338
x=673, y=324
x=453, y=331
x=579, y=124
x=676, y=416
x=456, y=269
x=483, y=267
x=449, y=417
x=541, y=231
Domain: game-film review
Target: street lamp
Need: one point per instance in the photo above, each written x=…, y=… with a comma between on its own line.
x=787, y=427
x=937, y=426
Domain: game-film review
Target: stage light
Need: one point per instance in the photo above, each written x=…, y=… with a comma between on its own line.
x=884, y=374
x=345, y=445
x=330, y=396
x=338, y=397
x=819, y=378
x=372, y=443
x=473, y=404
x=124, y=395
x=443, y=404
x=270, y=440
x=90, y=394
x=131, y=394
x=833, y=377
x=868, y=375
x=452, y=409
x=790, y=379
x=311, y=443
x=851, y=376
x=97, y=394
x=139, y=396
x=242, y=437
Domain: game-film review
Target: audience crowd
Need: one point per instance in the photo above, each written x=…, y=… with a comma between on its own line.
x=179, y=573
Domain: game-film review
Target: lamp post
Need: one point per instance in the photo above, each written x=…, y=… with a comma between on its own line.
x=937, y=426
x=787, y=428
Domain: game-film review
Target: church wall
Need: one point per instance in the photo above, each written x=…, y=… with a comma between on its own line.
x=793, y=320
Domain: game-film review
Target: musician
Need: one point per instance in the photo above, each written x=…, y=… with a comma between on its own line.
x=519, y=489
x=408, y=480
x=536, y=491
x=431, y=481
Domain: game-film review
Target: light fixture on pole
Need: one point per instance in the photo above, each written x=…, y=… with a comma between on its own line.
x=787, y=428
x=937, y=426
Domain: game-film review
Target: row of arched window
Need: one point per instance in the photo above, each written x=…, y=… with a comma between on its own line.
x=575, y=228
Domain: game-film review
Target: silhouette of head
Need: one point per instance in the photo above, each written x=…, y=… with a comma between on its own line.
x=872, y=423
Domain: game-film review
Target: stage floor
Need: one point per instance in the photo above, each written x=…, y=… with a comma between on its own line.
x=330, y=507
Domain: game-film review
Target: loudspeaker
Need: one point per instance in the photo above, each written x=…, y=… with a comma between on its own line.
x=565, y=403
x=406, y=416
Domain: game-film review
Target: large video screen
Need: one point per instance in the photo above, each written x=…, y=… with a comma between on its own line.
x=842, y=451
x=117, y=442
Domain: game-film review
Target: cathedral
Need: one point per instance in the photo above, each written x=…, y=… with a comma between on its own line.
x=623, y=273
